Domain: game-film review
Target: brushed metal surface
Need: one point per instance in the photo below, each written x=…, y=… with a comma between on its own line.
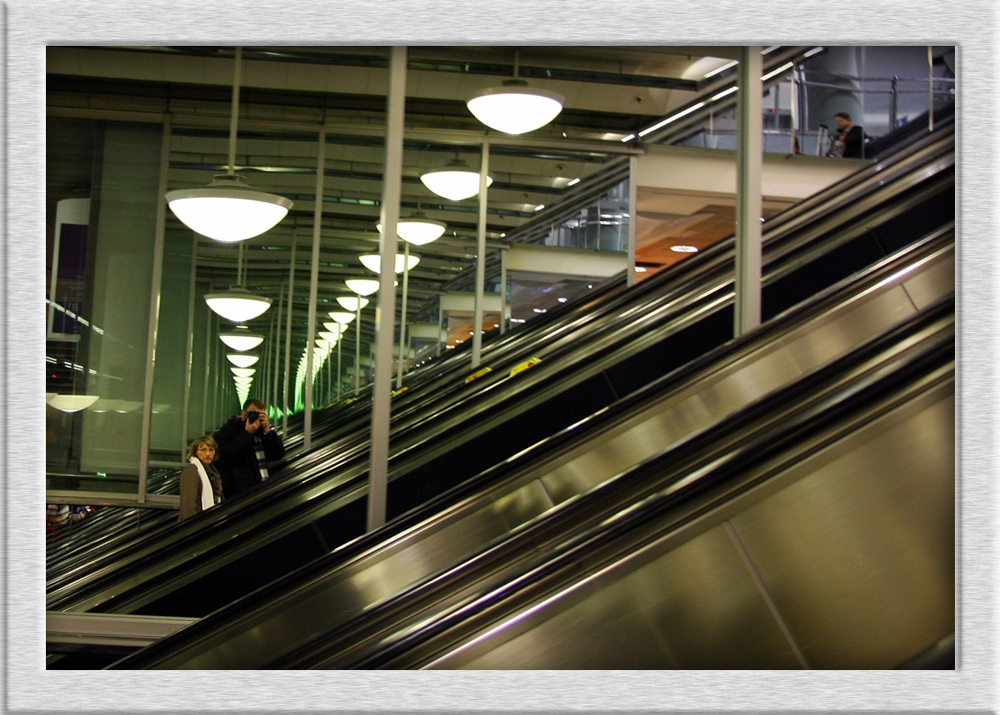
x=855, y=553
x=937, y=279
x=859, y=554
x=695, y=607
x=852, y=323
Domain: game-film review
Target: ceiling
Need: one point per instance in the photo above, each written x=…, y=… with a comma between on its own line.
x=288, y=93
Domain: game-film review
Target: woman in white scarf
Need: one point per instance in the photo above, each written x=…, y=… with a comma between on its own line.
x=201, y=483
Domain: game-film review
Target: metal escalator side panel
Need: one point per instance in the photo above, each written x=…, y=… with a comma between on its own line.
x=844, y=560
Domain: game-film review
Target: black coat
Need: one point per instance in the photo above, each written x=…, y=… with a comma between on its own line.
x=237, y=461
x=853, y=140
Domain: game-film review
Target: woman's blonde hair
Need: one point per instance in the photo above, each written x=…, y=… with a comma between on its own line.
x=207, y=439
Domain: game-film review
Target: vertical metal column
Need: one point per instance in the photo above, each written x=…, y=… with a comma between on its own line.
x=749, y=143
x=208, y=366
x=314, y=288
x=340, y=339
x=633, y=191
x=440, y=322
x=265, y=360
x=930, y=88
x=503, y=290
x=386, y=306
x=217, y=369
x=288, y=334
x=793, y=104
x=356, y=377
x=276, y=356
x=154, y=310
x=188, y=366
x=402, y=315
x=477, y=328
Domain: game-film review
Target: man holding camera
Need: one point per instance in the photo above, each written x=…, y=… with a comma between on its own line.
x=246, y=444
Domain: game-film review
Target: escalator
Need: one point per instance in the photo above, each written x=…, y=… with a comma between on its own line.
x=632, y=338
x=343, y=602
x=825, y=541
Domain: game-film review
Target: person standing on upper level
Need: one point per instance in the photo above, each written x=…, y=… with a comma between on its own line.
x=849, y=140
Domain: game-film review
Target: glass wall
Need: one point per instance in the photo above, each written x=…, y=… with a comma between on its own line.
x=601, y=224
x=100, y=268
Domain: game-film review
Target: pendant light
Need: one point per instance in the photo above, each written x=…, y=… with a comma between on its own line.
x=352, y=303
x=373, y=262
x=241, y=338
x=418, y=229
x=342, y=317
x=229, y=209
x=238, y=304
x=362, y=286
x=456, y=181
x=242, y=360
x=243, y=371
x=72, y=403
x=514, y=108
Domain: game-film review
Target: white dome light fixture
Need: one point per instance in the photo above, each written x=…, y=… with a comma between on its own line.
x=242, y=360
x=418, y=229
x=362, y=286
x=333, y=328
x=72, y=403
x=514, y=108
x=341, y=316
x=353, y=304
x=237, y=304
x=328, y=337
x=456, y=181
x=373, y=262
x=228, y=209
x=241, y=339
x=243, y=371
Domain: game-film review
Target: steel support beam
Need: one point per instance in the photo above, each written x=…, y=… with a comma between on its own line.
x=154, y=310
x=477, y=327
x=386, y=304
x=314, y=289
x=749, y=153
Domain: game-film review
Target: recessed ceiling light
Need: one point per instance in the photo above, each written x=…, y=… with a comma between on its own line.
x=640, y=269
x=539, y=310
x=684, y=249
x=562, y=300
x=574, y=182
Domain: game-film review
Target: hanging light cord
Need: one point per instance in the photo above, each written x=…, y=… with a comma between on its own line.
x=235, y=111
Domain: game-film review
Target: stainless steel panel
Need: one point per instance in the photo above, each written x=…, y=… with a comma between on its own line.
x=330, y=602
x=849, y=325
x=720, y=393
x=935, y=281
x=695, y=607
x=853, y=547
x=860, y=554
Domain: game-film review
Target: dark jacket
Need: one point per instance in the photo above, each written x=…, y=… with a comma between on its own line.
x=191, y=489
x=237, y=461
x=853, y=140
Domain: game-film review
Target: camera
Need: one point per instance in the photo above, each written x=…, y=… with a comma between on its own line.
x=252, y=416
